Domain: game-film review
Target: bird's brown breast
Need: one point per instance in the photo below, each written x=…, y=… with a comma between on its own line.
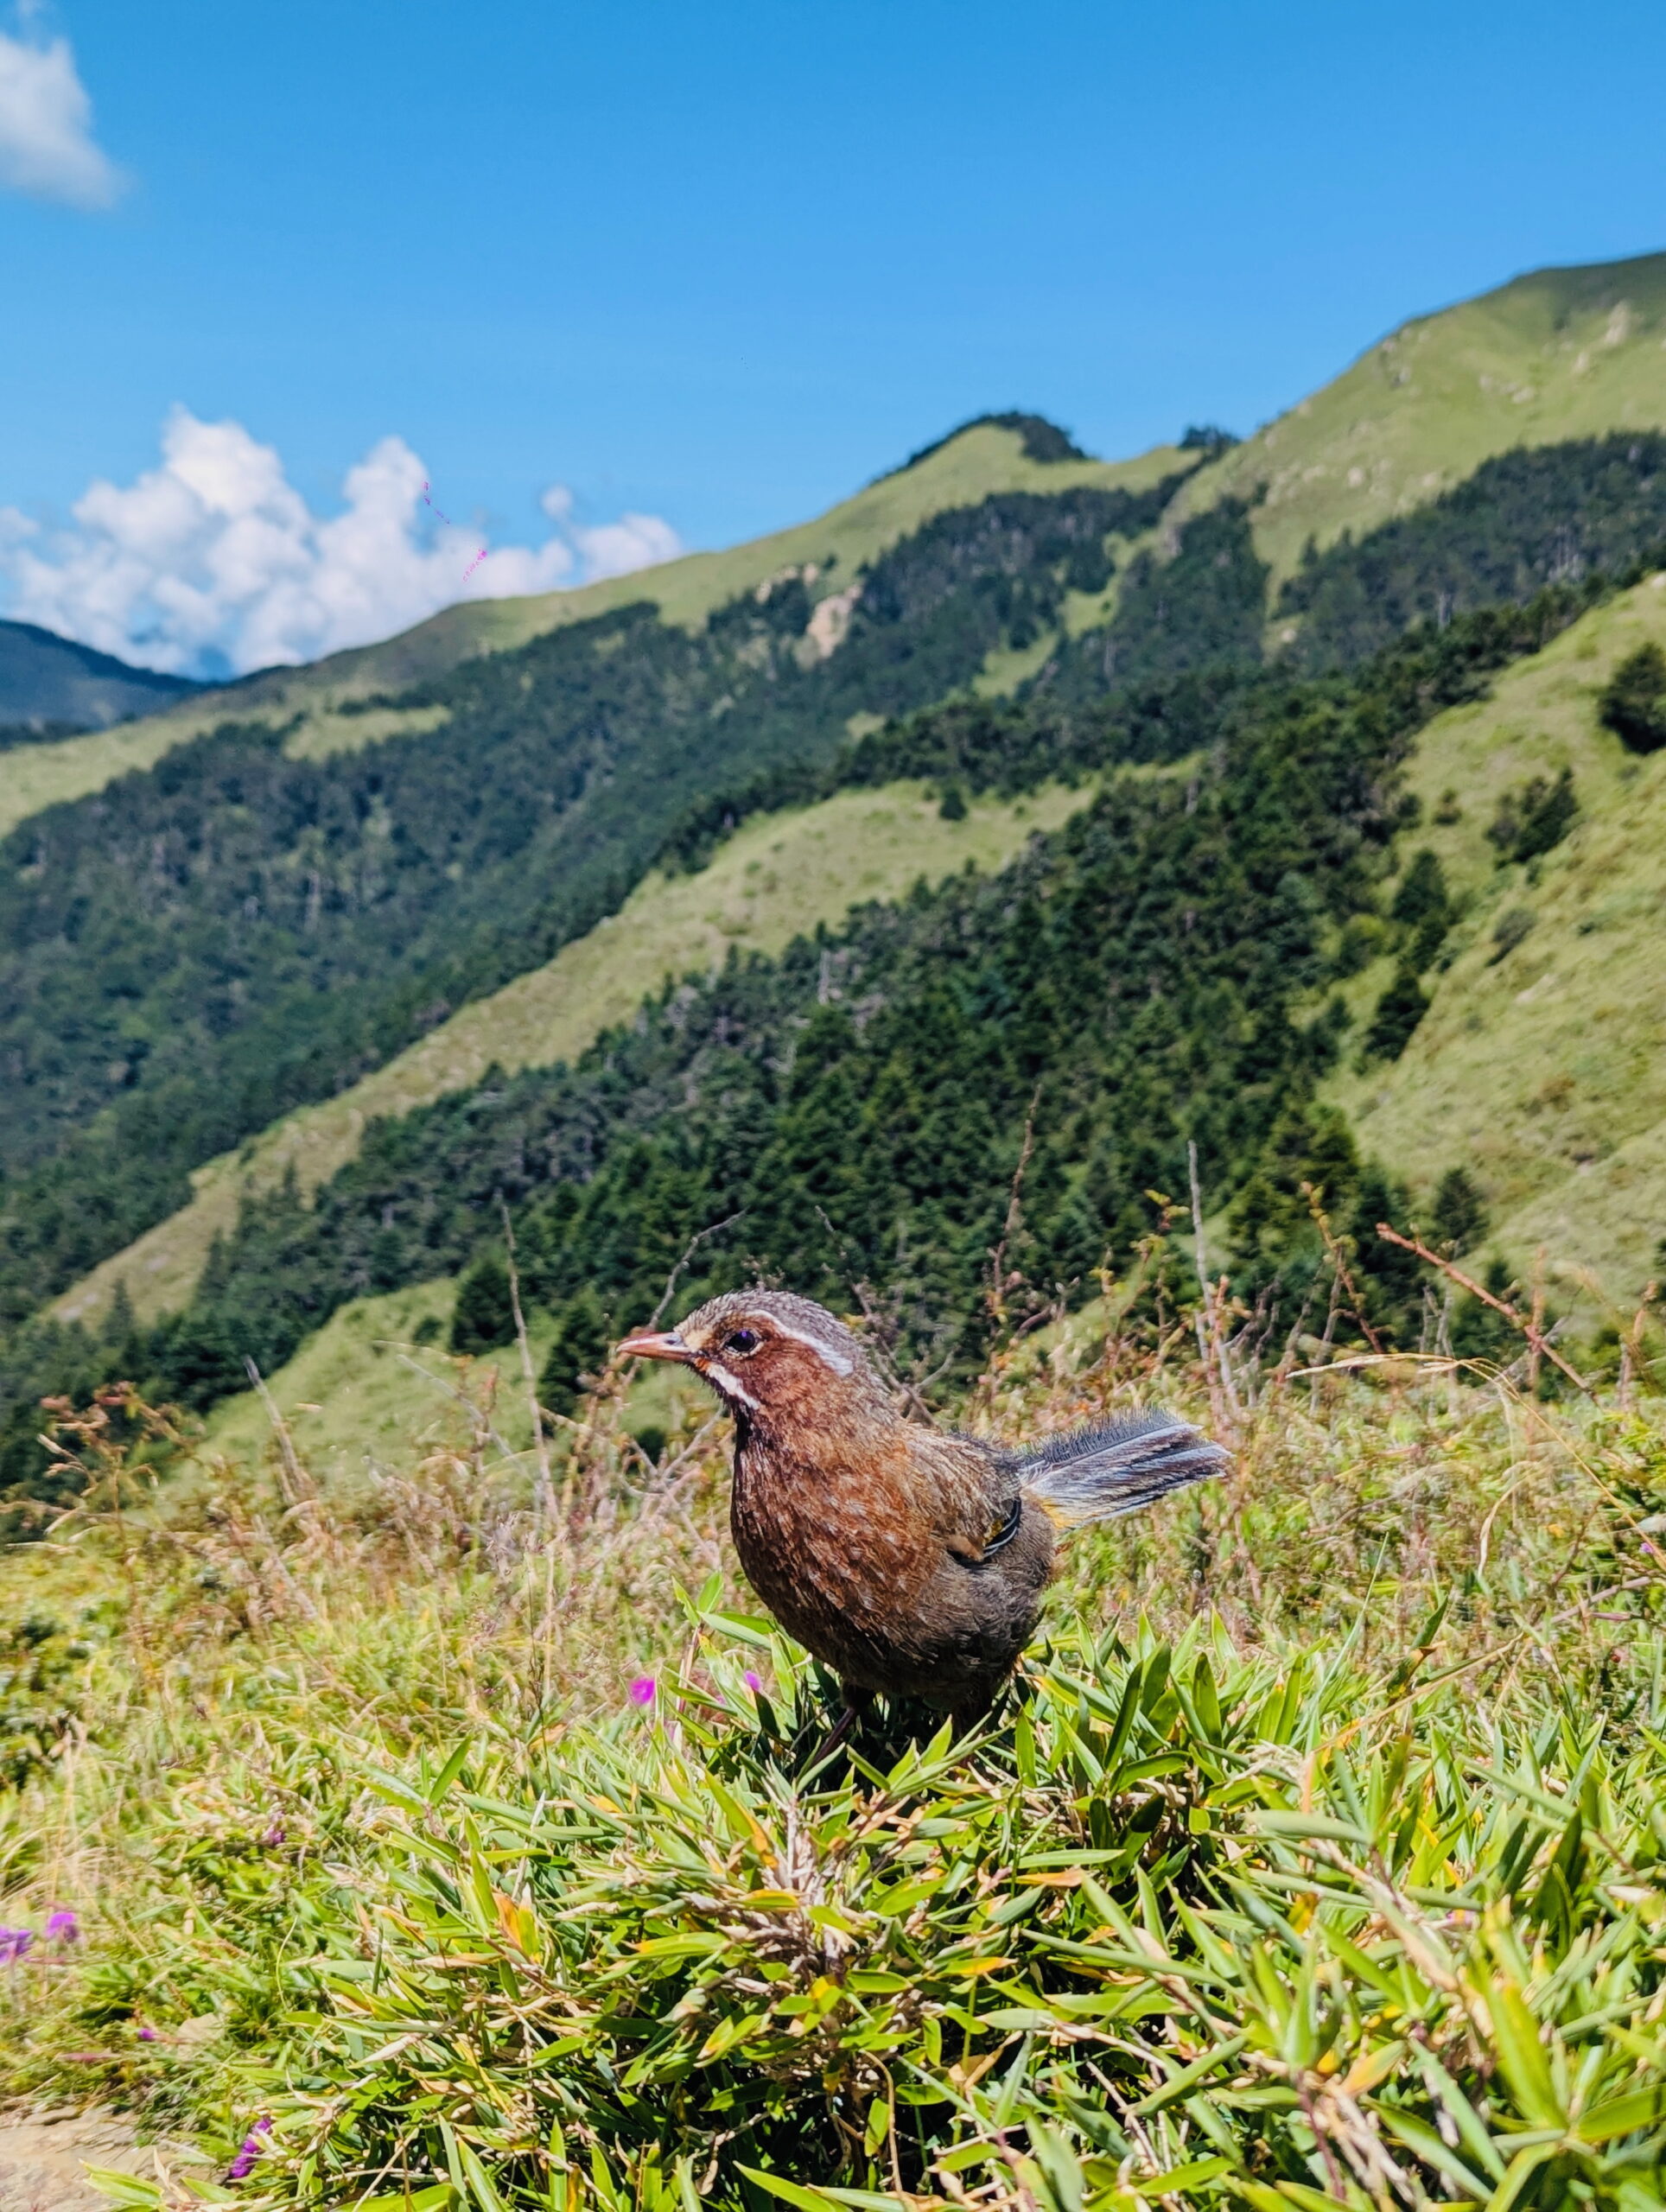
x=860, y=1547
x=835, y=1546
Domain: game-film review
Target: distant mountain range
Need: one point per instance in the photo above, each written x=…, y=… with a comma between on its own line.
x=1253, y=646
x=52, y=687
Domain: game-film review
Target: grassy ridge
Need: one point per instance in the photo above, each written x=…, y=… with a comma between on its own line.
x=971, y=468
x=1319, y=1861
x=1561, y=353
x=1543, y=1070
x=775, y=879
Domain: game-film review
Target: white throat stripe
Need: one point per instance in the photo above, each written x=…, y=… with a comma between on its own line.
x=727, y=1383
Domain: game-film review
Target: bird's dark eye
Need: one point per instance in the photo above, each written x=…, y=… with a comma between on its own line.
x=741, y=1342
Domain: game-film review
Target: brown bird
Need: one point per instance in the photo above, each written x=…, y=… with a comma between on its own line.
x=907, y=1559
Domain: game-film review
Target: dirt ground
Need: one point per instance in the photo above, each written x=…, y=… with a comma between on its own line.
x=43, y=2162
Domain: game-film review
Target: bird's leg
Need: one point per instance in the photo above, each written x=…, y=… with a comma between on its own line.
x=975, y=1712
x=856, y=1704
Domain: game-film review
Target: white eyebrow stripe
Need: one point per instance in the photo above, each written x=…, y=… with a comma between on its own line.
x=822, y=1349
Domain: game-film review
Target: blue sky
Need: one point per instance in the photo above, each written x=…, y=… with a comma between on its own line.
x=718, y=263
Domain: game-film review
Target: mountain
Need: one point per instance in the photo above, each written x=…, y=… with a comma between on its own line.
x=779, y=877
x=1219, y=950
x=854, y=1109
x=1540, y=1063
x=1554, y=355
x=50, y=686
x=250, y=926
x=977, y=463
x=1534, y=1073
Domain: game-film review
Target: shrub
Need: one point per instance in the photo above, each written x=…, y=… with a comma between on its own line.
x=1399, y=1010
x=1422, y=893
x=1633, y=704
x=1530, y=821
x=483, y=1317
x=1190, y=1925
x=579, y=1349
x=1422, y=907
x=1508, y=931
x=1459, y=1218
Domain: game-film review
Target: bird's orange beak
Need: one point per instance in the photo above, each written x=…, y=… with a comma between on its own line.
x=665, y=1345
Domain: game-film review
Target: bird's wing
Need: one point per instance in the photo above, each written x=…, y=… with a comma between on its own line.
x=1097, y=1474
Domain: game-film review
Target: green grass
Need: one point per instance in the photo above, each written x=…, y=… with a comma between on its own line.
x=371, y=1390
x=363, y=1392
x=1544, y=1072
x=1318, y=1860
x=1561, y=353
x=778, y=876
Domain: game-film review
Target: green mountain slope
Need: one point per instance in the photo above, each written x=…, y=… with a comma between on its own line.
x=973, y=465
x=47, y=680
x=779, y=876
x=1541, y=1068
x=1541, y=1072
x=243, y=931
x=1560, y=353
x=859, y=1104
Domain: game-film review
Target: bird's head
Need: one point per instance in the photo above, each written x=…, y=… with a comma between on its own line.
x=770, y=1356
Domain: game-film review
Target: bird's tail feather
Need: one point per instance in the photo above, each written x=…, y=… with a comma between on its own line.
x=1097, y=1474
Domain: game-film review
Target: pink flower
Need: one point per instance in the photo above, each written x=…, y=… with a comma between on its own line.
x=752, y=1682
x=243, y=2164
x=643, y=1690
x=62, y=1927
x=147, y=2035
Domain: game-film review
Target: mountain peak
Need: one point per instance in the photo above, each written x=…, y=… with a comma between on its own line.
x=1042, y=440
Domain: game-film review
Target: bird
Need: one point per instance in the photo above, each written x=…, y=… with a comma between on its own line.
x=910, y=1560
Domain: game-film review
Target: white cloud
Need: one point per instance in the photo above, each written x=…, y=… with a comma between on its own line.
x=46, y=146
x=613, y=548
x=213, y=562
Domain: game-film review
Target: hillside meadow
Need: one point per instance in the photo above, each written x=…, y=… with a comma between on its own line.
x=461, y=1838
x=1542, y=1061
x=1538, y=1070
x=1556, y=353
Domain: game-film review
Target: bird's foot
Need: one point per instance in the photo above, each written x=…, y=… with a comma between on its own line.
x=856, y=1705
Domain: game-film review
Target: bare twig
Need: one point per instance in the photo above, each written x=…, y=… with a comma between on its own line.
x=1339, y=1261
x=997, y=1291
x=540, y=1443
x=301, y=1482
x=689, y=1251
x=1528, y=1324
x=477, y=1419
x=1220, y=1366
